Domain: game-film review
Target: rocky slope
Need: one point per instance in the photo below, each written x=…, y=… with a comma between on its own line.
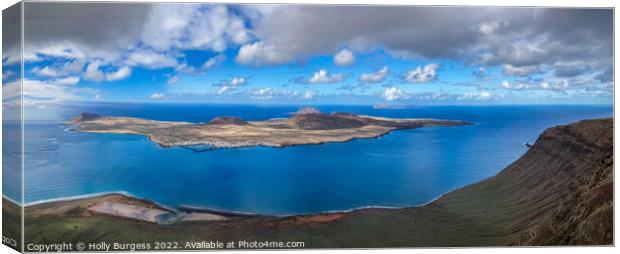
x=559, y=192
x=228, y=120
x=343, y=120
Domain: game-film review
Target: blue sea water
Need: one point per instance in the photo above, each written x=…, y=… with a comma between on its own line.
x=404, y=168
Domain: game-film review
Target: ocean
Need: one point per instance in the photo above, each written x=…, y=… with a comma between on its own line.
x=403, y=168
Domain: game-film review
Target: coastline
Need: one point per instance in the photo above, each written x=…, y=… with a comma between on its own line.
x=15, y=202
x=210, y=147
x=233, y=132
x=207, y=209
x=223, y=212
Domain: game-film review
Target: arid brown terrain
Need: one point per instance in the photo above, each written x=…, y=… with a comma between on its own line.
x=229, y=132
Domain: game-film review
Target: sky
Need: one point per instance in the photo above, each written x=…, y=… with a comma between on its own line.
x=311, y=54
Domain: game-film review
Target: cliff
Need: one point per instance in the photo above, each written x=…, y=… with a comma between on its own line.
x=559, y=193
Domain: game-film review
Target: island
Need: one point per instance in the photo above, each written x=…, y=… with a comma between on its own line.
x=306, y=127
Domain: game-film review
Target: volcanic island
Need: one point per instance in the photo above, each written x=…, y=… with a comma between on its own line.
x=306, y=127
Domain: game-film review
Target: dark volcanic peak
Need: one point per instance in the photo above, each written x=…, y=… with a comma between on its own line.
x=346, y=115
x=228, y=120
x=86, y=117
x=319, y=121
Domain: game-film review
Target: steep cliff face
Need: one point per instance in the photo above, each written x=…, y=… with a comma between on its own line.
x=560, y=192
x=584, y=213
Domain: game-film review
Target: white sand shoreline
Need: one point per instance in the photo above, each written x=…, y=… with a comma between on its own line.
x=214, y=210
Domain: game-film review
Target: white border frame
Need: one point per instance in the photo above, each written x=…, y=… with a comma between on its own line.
x=521, y=3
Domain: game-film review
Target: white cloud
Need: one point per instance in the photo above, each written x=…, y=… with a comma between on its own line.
x=485, y=95
x=213, y=61
x=7, y=74
x=45, y=71
x=157, y=96
x=64, y=49
x=229, y=86
x=65, y=69
x=184, y=67
x=173, y=79
x=479, y=96
x=166, y=25
x=422, y=74
x=120, y=74
x=29, y=57
x=214, y=27
x=234, y=82
x=308, y=95
x=237, y=81
x=265, y=93
x=151, y=60
x=259, y=53
x=322, y=77
x=69, y=81
x=555, y=86
x=170, y=28
x=375, y=77
x=11, y=90
x=488, y=28
x=269, y=93
x=51, y=90
x=481, y=72
x=344, y=58
x=10, y=58
x=73, y=67
x=93, y=73
x=518, y=86
x=505, y=84
x=520, y=71
x=394, y=93
x=224, y=90
x=193, y=26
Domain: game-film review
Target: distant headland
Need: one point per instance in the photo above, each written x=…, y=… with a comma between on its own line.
x=305, y=127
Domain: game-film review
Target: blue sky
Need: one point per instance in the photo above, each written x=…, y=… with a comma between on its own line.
x=296, y=54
